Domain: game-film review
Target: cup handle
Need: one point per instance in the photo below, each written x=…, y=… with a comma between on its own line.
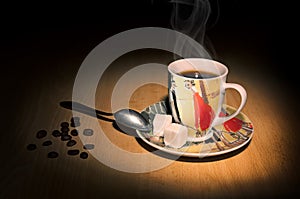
x=220, y=120
x=172, y=106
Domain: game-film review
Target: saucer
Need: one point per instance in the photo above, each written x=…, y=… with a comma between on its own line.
x=223, y=139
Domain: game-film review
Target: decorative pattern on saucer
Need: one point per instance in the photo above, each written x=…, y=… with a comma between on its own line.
x=227, y=137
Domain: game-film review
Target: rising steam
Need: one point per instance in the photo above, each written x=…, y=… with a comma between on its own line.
x=190, y=17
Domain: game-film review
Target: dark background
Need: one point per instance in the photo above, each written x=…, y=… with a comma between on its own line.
x=35, y=30
x=43, y=31
x=52, y=32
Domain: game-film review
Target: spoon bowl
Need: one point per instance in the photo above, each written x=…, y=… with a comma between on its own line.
x=131, y=119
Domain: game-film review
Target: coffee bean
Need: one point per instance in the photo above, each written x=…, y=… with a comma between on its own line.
x=41, y=133
x=89, y=146
x=75, y=119
x=31, y=147
x=88, y=132
x=65, y=137
x=56, y=133
x=64, y=133
x=47, y=143
x=64, y=124
x=64, y=129
x=75, y=124
x=73, y=152
x=52, y=154
x=71, y=143
x=74, y=132
x=84, y=155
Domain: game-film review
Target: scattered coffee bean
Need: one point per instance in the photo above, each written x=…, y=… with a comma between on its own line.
x=64, y=133
x=75, y=124
x=66, y=137
x=89, y=146
x=73, y=152
x=71, y=143
x=75, y=121
x=88, y=132
x=84, y=155
x=52, y=154
x=56, y=133
x=74, y=132
x=64, y=124
x=47, y=143
x=31, y=147
x=64, y=129
x=41, y=133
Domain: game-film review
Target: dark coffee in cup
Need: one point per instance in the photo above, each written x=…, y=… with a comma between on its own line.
x=197, y=74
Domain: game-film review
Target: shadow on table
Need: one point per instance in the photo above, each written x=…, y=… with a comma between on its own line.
x=190, y=159
x=86, y=110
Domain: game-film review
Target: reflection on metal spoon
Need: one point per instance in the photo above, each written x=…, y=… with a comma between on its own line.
x=132, y=119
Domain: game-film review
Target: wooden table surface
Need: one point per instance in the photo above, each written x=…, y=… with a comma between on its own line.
x=43, y=77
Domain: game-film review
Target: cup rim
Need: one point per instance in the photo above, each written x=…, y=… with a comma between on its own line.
x=224, y=74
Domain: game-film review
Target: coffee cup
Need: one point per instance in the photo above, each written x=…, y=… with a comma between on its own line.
x=196, y=95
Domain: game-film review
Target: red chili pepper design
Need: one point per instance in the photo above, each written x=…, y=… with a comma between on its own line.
x=233, y=124
x=204, y=114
